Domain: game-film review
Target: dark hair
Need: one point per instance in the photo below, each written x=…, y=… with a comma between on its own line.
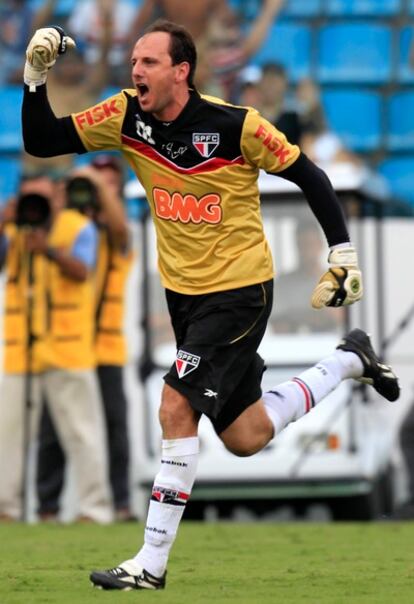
x=182, y=47
x=274, y=69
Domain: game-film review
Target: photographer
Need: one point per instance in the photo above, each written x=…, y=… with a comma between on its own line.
x=49, y=324
x=95, y=191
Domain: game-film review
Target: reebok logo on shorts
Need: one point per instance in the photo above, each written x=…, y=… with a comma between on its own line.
x=186, y=362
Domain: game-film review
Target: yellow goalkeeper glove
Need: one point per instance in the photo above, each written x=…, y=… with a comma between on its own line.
x=342, y=283
x=43, y=49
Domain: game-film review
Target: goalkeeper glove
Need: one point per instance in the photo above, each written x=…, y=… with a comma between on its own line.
x=342, y=283
x=44, y=47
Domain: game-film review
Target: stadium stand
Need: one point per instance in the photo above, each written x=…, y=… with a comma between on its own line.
x=302, y=8
x=10, y=169
x=363, y=8
x=405, y=72
x=399, y=172
x=358, y=51
x=354, y=53
x=10, y=126
x=400, y=122
x=288, y=44
x=63, y=7
x=355, y=115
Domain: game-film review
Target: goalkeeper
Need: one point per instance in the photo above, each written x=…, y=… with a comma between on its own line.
x=198, y=160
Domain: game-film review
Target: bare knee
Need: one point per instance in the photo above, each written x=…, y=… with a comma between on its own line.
x=177, y=418
x=249, y=433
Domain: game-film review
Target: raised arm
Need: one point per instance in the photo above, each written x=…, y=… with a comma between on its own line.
x=45, y=135
x=261, y=26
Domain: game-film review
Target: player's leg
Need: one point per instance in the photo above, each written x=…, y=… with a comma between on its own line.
x=287, y=402
x=217, y=336
x=170, y=493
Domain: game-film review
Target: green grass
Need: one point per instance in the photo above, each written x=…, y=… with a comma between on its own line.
x=260, y=563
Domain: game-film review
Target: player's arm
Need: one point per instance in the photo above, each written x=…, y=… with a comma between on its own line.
x=266, y=147
x=45, y=135
x=342, y=283
x=260, y=27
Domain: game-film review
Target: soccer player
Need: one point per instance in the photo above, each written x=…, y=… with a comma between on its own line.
x=198, y=159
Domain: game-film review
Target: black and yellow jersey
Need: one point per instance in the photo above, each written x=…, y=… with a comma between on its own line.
x=200, y=176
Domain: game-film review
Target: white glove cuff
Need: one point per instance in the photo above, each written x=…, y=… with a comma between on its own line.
x=33, y=77
x=343, y=256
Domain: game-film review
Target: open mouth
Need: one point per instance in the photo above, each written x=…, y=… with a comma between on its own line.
x=142, y=90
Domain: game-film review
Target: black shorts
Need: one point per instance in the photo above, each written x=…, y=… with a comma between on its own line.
x=217, y=365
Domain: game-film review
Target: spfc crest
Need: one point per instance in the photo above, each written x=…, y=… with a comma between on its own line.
x=206, y=142
x=186, y=362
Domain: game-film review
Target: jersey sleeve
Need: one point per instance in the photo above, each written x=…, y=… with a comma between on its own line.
x=264, y=146
x=99, y=127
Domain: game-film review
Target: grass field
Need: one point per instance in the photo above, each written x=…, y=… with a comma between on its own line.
x=221, y=562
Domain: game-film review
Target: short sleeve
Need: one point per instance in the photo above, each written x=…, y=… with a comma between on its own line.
x=99, y=127
x=264, y=146
x=85, y=246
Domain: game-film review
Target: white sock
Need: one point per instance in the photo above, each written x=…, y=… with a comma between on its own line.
x=291, y=400
x=171, y=490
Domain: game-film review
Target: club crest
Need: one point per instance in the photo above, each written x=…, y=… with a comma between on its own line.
x=206, y=142
x=186, y=362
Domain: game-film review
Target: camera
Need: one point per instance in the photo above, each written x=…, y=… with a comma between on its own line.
x=32, y=210
x=81, y=194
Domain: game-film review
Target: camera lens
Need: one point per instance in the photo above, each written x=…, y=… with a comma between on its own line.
x=81, y=193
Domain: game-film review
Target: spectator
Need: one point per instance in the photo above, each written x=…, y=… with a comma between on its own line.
x=250, y=95
x=317, y=140
x=225, y=50
x=275, y=107
x=50, y=335
x=194, y=15
x=17, y=21
x=293, y=312
x=325, y=148
x=114, y=261
x=96, y=22
x=310, y=108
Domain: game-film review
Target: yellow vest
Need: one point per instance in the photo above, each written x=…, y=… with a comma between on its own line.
x=111, y=274
x=21, y=301
x=70, y=339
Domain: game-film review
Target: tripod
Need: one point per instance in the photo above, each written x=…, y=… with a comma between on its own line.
x=28, y=379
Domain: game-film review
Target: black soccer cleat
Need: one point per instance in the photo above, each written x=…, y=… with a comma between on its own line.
x=377, y=374
x=126, y=577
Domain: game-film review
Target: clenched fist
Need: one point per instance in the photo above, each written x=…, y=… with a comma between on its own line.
x=43, y=49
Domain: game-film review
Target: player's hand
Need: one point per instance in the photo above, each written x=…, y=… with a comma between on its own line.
x=43, y=49
x=342, y=283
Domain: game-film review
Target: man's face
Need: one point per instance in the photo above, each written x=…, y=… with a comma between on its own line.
x=153, y=74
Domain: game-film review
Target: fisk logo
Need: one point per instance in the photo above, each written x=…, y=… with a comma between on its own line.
x=186, y=362
x=144, y=131
x=206, y=143
x=97, y=114
x=273, y=144
x=187, y=208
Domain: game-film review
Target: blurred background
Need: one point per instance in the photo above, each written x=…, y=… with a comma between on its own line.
x=336, y=76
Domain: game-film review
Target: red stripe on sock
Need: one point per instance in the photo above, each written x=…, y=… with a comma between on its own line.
x=306, y=392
